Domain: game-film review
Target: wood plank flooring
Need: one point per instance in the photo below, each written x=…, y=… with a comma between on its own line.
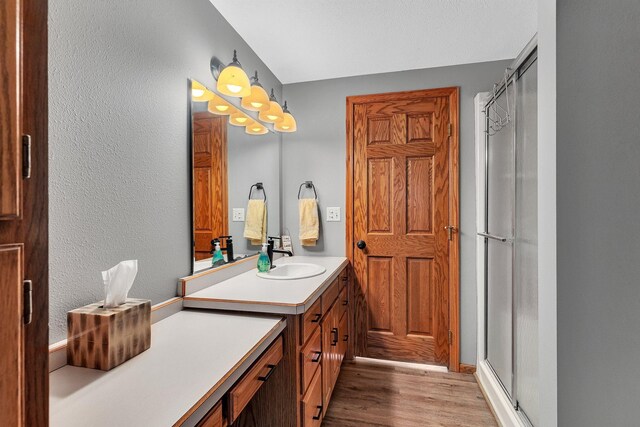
x=374, y=395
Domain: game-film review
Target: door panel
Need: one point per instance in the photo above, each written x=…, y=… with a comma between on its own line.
x=380, y=289
x=11, y=356
x=379, y=211
x=209, y=181
x=419, y=295
x=9, y=111
x=401, y=208
x=419, y=190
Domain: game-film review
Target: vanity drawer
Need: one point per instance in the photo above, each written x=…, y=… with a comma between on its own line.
x=311, y=355
x=330, y=295
x=312, y=403
x=311, y=320
x=213, y=418
x=343, y=301
x=243, y=391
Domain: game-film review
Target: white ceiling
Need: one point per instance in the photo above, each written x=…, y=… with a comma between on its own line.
x=304, y=40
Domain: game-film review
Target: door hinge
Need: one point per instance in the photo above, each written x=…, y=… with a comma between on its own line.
x=450, y=337
x=450, y=129
x=26, y=156
x=27, y=289
x=450, y=229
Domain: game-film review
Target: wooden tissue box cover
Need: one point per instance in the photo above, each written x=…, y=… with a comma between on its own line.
x=100, y=338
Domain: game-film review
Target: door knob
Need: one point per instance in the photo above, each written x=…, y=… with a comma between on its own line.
x=361, y=244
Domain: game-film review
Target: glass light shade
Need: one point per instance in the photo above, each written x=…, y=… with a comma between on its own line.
x=239, y=119
x=258, y=100
x=198, y=90
x=233, y=81
x=273, y=114
x=219, y=106
x=286, y=125
x=256, y=128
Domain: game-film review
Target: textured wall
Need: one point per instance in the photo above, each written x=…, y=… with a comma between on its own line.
x=317, y=152
x=598, y=152
x=118, y=140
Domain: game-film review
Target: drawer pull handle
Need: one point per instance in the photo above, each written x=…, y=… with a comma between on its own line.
x=345, y=302
x=266, y=377
x=317, y=318
x=317, y=357
x=346, y=338
x=317, y=417
x=335, y=339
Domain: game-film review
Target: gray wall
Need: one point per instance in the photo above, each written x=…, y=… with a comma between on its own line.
x=598, y=177
x=317, y=152
x=118, y=140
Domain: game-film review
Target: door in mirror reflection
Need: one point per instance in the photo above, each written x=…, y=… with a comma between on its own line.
x=209, y=181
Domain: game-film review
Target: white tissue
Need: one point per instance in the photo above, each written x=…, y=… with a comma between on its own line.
x=118, y=281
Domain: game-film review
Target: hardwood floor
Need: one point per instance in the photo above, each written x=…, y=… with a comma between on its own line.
x=373, y=395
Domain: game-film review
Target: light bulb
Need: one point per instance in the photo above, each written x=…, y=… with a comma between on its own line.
x=234, y=88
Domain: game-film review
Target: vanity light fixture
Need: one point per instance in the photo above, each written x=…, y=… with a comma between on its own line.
x=274, y=114
x=289, y=122
x=219, y=106
x=200, y=93
x=239, y=119
x=255, y=128
x=258, y=100
x=233, y=81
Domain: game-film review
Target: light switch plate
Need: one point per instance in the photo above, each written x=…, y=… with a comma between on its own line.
x=333, y=214
x=238, y=214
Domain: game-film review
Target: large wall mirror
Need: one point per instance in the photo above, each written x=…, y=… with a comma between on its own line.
x=229, y=165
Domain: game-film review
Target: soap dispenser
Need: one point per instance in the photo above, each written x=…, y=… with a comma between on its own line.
x=218, y=258
x=264, y=265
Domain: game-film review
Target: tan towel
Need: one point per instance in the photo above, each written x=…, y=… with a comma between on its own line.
x=309, y=223
x=255, y=225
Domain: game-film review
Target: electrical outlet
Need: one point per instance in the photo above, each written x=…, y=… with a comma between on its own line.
x=238, y=214
x=333, y=214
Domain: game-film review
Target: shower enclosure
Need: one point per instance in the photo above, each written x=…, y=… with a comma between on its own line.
x=507, y=237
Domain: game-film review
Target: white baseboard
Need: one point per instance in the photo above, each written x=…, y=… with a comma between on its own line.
x=501, y=406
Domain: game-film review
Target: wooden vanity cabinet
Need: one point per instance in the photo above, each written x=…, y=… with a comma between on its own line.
x=330, y=312
x=213, y=418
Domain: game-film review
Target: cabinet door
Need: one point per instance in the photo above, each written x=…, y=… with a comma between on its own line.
x=343, y=329
x=11, y=372
x=9, y=112
x=327, y=359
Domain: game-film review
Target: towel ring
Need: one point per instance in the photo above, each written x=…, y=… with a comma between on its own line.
x=307, y=184
x=258, y=186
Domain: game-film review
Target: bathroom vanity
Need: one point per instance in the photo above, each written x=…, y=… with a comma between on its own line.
x=242, y=351
x=316, y=339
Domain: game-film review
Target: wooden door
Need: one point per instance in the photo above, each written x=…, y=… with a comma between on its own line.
x=209, y=181
x=23, y=214
x=404, y=154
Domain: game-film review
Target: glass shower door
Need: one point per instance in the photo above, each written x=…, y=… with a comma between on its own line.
x=526, y=244
x=499, y=249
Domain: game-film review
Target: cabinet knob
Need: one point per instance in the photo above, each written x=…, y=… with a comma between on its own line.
x=361, y=244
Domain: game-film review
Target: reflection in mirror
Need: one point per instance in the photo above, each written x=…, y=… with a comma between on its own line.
x=234, y=158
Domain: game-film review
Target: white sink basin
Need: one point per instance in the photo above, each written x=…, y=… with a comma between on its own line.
x=294, y=270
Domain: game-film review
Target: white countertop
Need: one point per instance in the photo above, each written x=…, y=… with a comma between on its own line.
x=248, y=292
x=194, y=356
